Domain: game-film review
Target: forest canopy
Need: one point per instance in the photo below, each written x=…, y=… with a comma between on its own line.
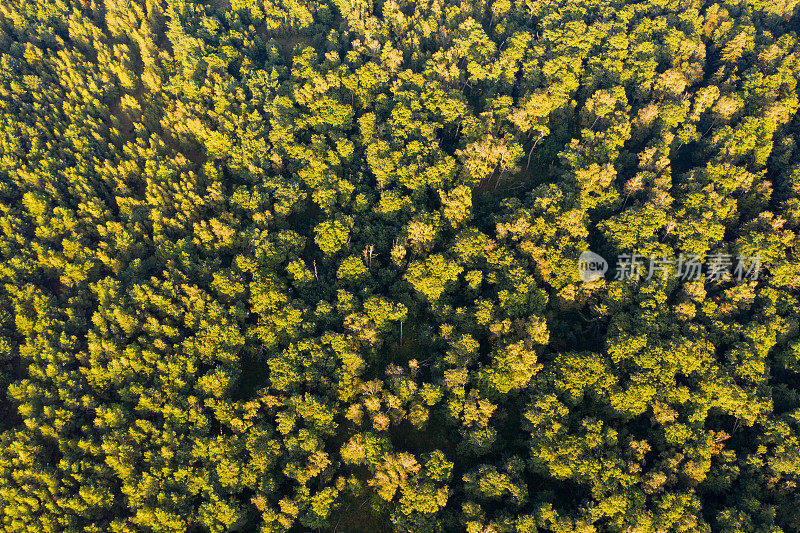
x=309, y=265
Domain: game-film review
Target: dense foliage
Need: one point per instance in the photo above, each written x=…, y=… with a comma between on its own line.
x=293, y=265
